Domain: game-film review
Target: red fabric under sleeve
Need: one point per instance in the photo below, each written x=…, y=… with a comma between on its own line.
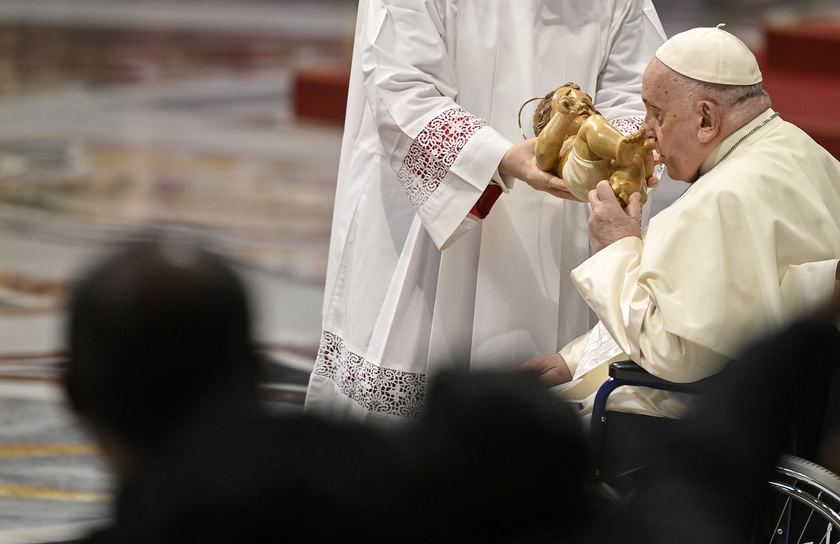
x=486, y=201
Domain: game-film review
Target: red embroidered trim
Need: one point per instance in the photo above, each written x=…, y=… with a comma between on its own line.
x=628, y=125
x=371, y=386
x=433, y=152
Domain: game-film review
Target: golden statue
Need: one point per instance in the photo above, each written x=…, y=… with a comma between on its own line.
x=580, y=146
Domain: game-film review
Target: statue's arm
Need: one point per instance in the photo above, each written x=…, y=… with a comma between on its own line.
x=550, y=141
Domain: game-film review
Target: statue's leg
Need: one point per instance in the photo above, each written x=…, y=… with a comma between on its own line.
x=629, y=146
x=646, y=155
x=596, y=139
x=601, y=140
x=627, y=180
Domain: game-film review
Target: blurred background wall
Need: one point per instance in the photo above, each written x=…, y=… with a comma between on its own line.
x=222, y=118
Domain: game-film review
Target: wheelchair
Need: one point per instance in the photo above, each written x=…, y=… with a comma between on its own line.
x=804, y=498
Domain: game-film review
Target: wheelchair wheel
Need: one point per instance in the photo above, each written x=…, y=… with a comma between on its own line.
x=805, y=505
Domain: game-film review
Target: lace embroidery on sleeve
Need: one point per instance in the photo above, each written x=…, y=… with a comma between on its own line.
x=628, y=125
x=433, y=152
x=375, y=388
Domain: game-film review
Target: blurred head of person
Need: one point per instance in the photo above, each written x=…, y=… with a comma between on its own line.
x=158, y=334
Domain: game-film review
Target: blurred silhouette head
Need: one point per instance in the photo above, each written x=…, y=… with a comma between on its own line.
x=156, y=332
x=498, y=458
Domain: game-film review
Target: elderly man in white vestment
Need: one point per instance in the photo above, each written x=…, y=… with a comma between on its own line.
x=752, y=243
x=422, y=274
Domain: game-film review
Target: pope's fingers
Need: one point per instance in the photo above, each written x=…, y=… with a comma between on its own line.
x=601, y=193
x=634, y=206
x=605, y=190
x=593, y=198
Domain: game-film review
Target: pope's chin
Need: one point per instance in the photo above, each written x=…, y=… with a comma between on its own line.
x=677, y=175
x=689, y=178
x=686, y=179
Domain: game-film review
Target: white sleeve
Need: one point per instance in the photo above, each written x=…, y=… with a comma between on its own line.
x=443, y=156
x=807, y=285
x=609, y=281
x=635, y=35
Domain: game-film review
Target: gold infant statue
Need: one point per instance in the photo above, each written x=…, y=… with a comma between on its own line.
x=580, y=146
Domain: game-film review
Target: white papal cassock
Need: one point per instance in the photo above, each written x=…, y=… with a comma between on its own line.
x=412, y=286
x=751, y=245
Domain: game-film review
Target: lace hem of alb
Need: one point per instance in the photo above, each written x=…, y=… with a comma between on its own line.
x=377, y=389
x=433, y=152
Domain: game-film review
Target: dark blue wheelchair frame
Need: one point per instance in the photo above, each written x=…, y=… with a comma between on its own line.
x=808, y=492
x=626, y=373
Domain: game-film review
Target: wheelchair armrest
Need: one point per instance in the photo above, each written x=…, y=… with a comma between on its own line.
x=630, y=371
x=624, y=373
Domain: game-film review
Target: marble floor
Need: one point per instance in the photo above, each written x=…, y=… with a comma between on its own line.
x=176, y=116
x=119, y=115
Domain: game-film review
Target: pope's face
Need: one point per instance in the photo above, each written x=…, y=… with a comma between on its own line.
x=673, y=122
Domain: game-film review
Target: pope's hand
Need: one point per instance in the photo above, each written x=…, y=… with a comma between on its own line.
x=653, y=181
x=608, y=222
x=551, y=369
x=520, y=162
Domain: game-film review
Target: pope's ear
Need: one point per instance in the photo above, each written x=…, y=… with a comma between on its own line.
x=710, y=120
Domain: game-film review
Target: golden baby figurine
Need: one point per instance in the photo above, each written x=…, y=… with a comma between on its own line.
x=580, y=146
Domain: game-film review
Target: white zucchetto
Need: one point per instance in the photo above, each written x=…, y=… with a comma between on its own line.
x=712, y=55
